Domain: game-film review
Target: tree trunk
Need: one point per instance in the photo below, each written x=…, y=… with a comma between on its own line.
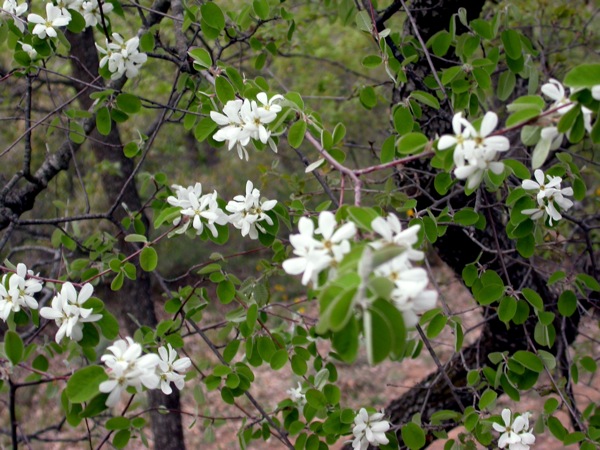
x=135, y=298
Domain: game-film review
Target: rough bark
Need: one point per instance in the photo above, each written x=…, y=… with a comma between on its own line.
x=135, y=298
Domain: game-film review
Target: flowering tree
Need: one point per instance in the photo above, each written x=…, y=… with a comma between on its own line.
x=472, y=139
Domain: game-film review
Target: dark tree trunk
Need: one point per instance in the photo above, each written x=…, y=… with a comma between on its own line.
x=135, y=298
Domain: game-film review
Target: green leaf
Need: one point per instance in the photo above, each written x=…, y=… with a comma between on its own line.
x=279, y=359
x=148, y=259
x=567, y=303
x=129, y=103
x=83, y=384
x=533, y=298
x=103, y=121
x=368, y=97
x=413, y=436
x=403, y=120
x=362, y=216
x=117, y=423
x=522, y=116
x=316, y=399
x=440, y=43
x=526, y=246
x=388, y=149
x=131, y=149
x=147, y=42
x=506, y=84
x=296, y=134
x=204, y=128
x=13, y=347
x=466, y=217
x=225, y=291
x=108, y=325
x=436, y=325
x=412, y=143
x=121, y=438
x=583, y=76
x=425, y=98
x=261, y=8
x=487, y=398
x=450, y=74
x=201, y=58
x=339, y=132
x=507, y=309
x=167, y=215
x=371, y=61
x=363, y=21
x=512, y=43
x=224, y=90
x=117, y=282
x=482, y=77
x=212, y=15
x=529, y=360
x=518, y=168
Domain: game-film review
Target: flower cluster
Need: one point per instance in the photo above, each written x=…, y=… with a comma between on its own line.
x=19, y=291
x=550, y=138
x=369, y=430
x=128, y=367
x=247, y=211
x=515, y=433
x=13, y=9
x=197, y=209
x=550, y=197
x=44, y=26
x=314, y=255
x=409, y=295
x=243, y=120
x=122, y=57
x=202, y=210
x=68, y=312
x=475, y=151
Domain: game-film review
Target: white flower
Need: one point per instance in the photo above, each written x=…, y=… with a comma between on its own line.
x=409, y=294
x=128, y=367
x=463, y=131
x=123, y=57
x=243, y=120
x=68, y=313
x=45, y=26
x=29, y=50
x=296, y=395
x=20, y=292
x=555, y=90
x=12, y=8
x=369, y=430
x=314, y=255
x=267, y=104
x=247, y=211
x=91, y=11
x=549, y=196
x=233, y=132
x=170, y=367
x=544, y=190
x=596, y=92
x=199, y=210
x=391, y=232
x=336, y=241
x=514, y=434
x=475, y=151
x=312, y=258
